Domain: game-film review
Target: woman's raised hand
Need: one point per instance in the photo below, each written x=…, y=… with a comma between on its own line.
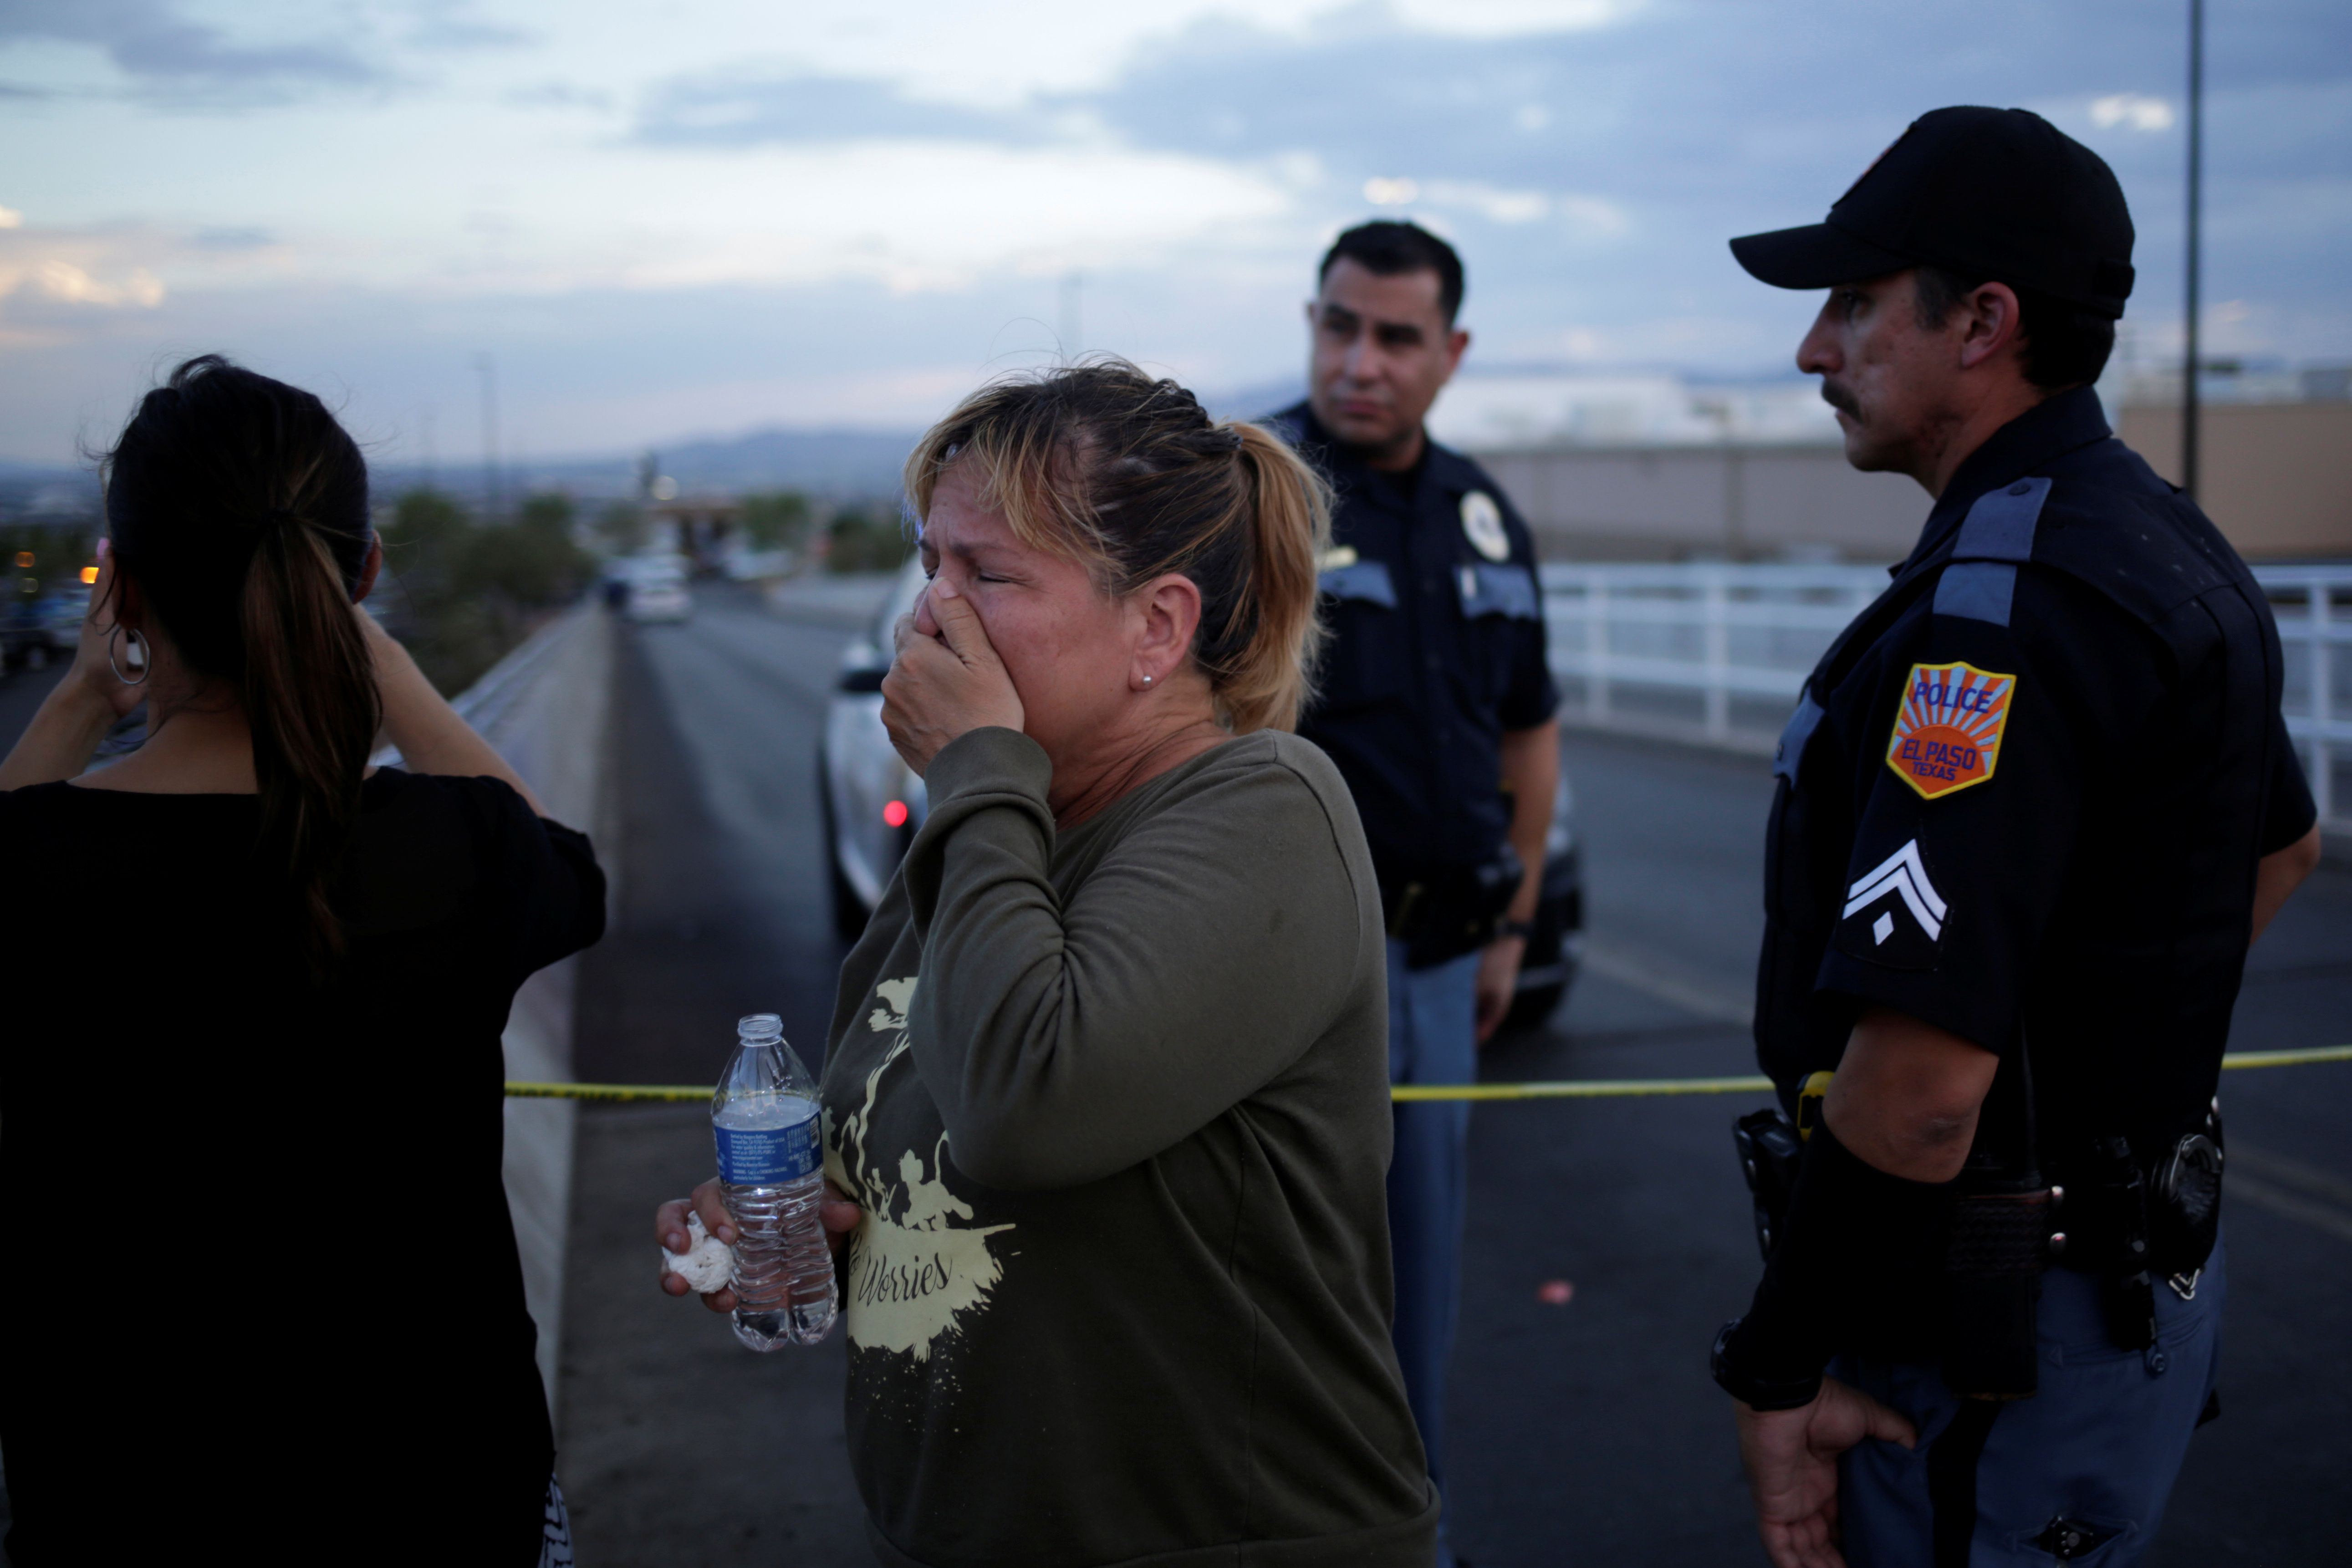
x=946, y=679
x=837, y=1211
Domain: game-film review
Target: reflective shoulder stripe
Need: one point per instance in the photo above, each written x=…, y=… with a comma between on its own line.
x=1790, y=753
x=1367, y=579
x=1981, y=579
x=1507, y=590
x=1976, y=590
x=1999, y=526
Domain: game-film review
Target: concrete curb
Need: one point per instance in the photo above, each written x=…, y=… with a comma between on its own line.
x=547, y=708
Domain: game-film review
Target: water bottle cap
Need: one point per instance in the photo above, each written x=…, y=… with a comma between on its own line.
x=760, y=1027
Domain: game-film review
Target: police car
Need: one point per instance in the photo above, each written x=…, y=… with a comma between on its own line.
x=873, y=803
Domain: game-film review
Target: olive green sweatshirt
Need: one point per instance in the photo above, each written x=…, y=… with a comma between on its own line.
x=1115, y=1101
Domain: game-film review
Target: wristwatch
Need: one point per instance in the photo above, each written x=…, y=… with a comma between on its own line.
x=1524, y=930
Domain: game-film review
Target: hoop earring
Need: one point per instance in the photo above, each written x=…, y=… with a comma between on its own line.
x=146, y=666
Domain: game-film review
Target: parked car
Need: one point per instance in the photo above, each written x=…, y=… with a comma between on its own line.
x=873, y=803
x=62, y=614
x=1557, y=946
x=35, y=633
x=23, y=644
x=658, y=590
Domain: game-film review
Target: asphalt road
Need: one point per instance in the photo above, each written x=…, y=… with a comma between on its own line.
x=1584, y=1431
x=22, y=693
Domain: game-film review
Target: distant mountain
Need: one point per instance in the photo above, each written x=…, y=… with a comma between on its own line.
x=40, y=489
x=846, y=463
x=840, y=465
x=843, y=465
x=1256, y=402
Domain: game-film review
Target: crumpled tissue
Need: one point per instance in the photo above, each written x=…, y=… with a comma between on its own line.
x=707, y=1264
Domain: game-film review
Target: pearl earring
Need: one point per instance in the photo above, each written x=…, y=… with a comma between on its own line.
x=1147, y=681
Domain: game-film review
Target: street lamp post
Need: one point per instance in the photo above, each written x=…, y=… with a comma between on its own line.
x=2189, y=421
x=489, y=368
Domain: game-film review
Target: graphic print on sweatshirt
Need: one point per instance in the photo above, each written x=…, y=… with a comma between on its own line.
x=916, y=1269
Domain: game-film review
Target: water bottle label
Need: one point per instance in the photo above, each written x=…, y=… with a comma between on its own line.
x=767, y=1157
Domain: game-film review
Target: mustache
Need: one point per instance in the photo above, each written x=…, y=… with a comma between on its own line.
x=1839, y=398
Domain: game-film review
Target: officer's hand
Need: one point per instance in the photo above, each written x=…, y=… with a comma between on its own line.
x=1498, y=982
x=1791, y=1461
x=946, y=679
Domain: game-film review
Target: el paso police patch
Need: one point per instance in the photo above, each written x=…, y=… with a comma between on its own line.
x=1947, y=733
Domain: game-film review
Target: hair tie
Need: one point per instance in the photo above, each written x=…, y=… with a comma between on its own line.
x=284, y=517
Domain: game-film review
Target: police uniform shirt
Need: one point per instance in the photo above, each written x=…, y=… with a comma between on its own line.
x=2024, y=794
x=1436, y=648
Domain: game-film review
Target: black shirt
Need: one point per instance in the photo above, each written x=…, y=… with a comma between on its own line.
x=259, y=1284
x=1437, y=649
x=2025, y=792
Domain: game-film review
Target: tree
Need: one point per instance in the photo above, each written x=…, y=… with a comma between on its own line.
x=776, y=519
x=531, y=564
x=464, y=595
x=622, y=527
x=866, y=539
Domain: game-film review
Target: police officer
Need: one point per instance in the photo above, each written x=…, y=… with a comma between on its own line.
x=2033, y=805
x=1437, y=705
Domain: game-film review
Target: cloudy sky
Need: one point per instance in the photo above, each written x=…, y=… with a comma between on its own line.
x=674, y=218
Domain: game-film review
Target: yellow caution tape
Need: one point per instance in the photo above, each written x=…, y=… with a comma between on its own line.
x=607, y=1091
x=1587, y=1089
x=2287, y=1059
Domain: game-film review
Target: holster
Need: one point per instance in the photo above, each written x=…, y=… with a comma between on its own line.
x=1969, y=1298
x=1446, y=914
x=2184, y=1219
x=1770, y=1153
x=2133, y=1222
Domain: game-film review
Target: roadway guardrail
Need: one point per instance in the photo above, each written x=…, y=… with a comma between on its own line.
x=1717, y=652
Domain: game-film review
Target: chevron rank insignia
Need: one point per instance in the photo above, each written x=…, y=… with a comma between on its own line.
x=1893, y=915
x=1948, y=732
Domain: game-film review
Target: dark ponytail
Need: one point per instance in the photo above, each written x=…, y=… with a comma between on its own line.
x=239, y=506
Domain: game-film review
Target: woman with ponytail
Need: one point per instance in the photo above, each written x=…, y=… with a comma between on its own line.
x=1106, y=1097
x=251, y=1078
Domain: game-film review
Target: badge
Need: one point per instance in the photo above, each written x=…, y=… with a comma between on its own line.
x=1947, y=734
x=1482, y=522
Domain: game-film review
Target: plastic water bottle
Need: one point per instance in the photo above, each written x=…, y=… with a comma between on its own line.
x=771, y=1174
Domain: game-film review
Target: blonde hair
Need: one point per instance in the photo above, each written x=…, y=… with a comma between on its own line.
x=1101, y=464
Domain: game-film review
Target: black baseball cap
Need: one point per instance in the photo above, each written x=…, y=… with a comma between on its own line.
x=2000, y=194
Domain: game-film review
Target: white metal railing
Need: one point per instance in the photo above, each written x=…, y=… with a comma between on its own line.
x=2314, y=606
x=1714, y=653
x=1717, y=653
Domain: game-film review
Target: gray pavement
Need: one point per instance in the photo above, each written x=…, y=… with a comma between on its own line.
x=22, y=692
x=1583, y=1432
x=679, y=1447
